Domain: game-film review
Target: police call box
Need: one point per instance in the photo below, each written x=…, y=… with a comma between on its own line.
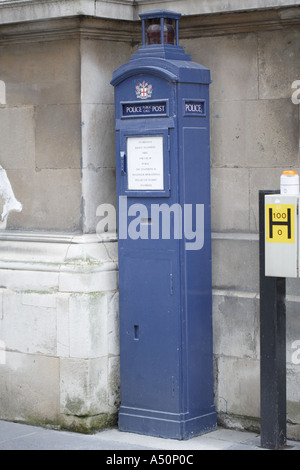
x=164, y=236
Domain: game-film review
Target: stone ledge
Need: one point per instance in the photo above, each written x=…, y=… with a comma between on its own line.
x=76, y=27
x=235, y=236
x=188, y=7
x=48, y=21
x=64, y=263
x=31, y=10
x=238, y=22
x=54, y=237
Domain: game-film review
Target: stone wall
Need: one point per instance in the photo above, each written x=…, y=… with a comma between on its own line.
x=40, y=124
x=58, y=295
x=59, y=361
x=59, y=331
x=57, y=121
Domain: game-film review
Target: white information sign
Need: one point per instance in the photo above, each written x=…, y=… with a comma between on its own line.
x=145, y=163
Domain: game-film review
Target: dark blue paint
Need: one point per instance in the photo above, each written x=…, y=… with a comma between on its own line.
x=165, y=290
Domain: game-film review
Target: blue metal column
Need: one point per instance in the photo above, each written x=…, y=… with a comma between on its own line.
x=163, y=188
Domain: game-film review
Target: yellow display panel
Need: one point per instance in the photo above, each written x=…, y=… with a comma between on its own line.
x=280, y=223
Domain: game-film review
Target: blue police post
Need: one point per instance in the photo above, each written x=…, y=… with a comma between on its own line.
x=164, y=231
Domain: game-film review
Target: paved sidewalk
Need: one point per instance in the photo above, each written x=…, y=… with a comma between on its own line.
x=15, y=436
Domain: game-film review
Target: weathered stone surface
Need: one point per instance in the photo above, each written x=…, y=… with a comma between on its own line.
x=228, y=185
x=236, y=324
x=29, y=388
x=233, y=65
x=51, y=198
x=41, y=73
x=98, y=136
x=238, y=255
x=58, y=137
x=278, y=56
x=253, y=134
x=29, y=323
x=83, y=386
x=72, y=332
x=17, y=141
x=99, y=60
x=239, y=394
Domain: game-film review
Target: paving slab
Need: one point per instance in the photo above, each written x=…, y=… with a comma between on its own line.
x=17, y=436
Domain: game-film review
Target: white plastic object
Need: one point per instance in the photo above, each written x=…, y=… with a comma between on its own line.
x=289, y=182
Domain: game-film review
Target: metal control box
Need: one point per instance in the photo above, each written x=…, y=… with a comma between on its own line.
x=282, y=235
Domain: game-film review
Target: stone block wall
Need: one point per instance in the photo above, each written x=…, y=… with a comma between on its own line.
x=41, y=129
x=59, y=361
x=59, y=331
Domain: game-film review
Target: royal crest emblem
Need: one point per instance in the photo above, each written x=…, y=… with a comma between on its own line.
x=143, y=90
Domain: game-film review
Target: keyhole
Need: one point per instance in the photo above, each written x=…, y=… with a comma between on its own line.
x=136, y=332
